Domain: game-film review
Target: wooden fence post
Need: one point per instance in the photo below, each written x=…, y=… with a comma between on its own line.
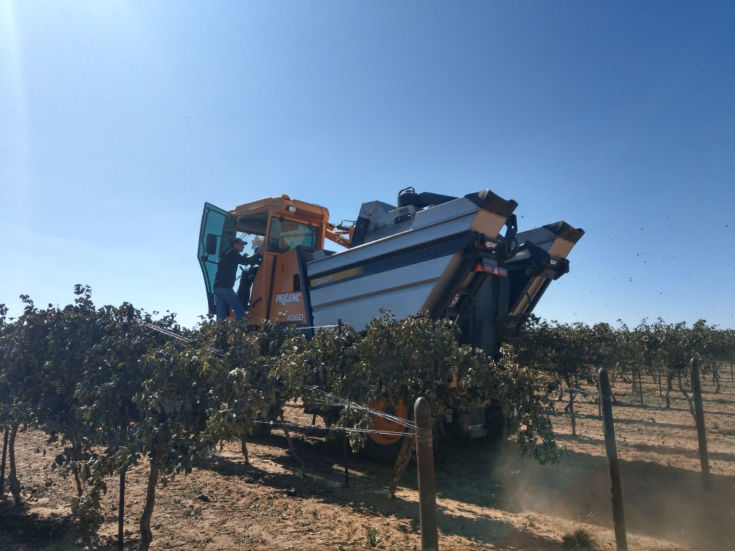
x=699, y=420
x=426, y=482
x=121, y=511
x=612, y=459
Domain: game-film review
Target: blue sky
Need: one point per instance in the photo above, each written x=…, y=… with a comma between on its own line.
x=119, y=119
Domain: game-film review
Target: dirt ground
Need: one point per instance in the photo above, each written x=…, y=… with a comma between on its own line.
x=488, y=498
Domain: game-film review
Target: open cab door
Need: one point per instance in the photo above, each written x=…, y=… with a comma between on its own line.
x=216, y=232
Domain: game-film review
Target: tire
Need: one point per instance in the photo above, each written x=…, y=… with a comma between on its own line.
x=261, y=430
x=379, y=452
x=385, y=447
x=495, y=424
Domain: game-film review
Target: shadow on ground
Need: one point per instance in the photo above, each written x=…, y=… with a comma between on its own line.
x=367, y=492
x=659, y=501
x=655, y=448
x=22, y=530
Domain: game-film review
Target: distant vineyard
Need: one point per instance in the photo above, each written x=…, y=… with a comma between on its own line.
x=571, y=354
x=118, y=386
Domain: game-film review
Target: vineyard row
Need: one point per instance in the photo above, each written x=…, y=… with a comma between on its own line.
x=116, y=393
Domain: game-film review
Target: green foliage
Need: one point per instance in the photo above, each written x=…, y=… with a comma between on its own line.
x=113, y=374
x=372, y=537
x=573, y=352
x=7, y=369
x=523, y=400
x=88, y=510
x=23, y=360
x=400, y=360
x=240, y=366
x=580, y=540
x=173, y=404
x=99, y=380
x=567, y=351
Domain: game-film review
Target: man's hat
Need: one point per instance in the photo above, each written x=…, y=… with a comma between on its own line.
x=238, y=241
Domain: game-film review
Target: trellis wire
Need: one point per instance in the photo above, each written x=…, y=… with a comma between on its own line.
x=355, y=430
x=582, y=392
x=346, y=403
x=181, y=338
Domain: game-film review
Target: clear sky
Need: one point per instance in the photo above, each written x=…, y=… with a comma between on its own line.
x=119, y=119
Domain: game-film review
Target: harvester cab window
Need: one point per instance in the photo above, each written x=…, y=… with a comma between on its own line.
x=287, y=234
x=251, y=229
x=215, y=233
x=254, y=242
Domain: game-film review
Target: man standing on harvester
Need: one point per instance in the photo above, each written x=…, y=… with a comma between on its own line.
x=224, y=280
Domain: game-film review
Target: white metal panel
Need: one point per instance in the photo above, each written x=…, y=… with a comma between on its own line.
x=389, y=244
x=377, y=284
x=450, y=210
x=358, y=313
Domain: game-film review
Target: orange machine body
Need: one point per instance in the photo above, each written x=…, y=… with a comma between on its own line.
x=285, y=224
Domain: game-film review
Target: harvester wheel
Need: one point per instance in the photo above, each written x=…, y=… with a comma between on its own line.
x=261, y=430
x=381, y=453
x=385, y=447
x=496, y=424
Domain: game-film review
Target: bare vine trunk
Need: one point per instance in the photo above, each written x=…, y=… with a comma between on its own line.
x=572, y=414
x=244, y=449
x=690, y=400
x=6, y=432
x=13, y=482
x=77, y=481
x=660, y=387
x=570, y=407
x=669, y=387
x=146, y=536
x=404, y=456
x=292, y=449
x=346, y=453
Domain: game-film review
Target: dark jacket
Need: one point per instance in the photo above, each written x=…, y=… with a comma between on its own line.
x=227, y=267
